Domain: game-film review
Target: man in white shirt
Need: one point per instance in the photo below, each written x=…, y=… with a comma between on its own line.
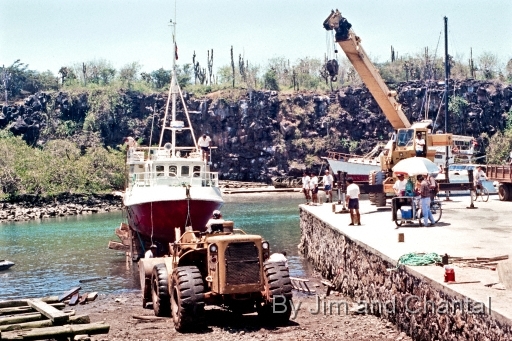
x=204, y=143
x=328, y=181
x=305, y=186
x=151, y=253
x=479, y=176
x=420, y=145
x=399, y=186
x=313, y=186
x=353, y=202
x=279, y=258
x=215, y=220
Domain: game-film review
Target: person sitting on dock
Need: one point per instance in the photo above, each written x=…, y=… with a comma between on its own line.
x=152, y=252
x=213, y=224
x=353, y=202
x=278, y=258
x=328, y=181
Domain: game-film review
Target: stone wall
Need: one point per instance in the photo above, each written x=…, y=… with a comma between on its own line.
x=368, y=276
x=33, y=207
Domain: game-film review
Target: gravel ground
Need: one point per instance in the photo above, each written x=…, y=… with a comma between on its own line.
x=129, y=321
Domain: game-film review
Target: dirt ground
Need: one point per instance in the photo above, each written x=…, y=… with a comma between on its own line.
x=129, y=321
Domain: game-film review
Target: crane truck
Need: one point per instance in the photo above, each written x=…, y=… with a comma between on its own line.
x=402, y=144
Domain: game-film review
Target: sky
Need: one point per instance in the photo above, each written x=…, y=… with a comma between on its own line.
x=49, y=34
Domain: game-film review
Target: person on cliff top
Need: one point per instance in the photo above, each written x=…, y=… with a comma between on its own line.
x=328, y=182
x=353, y=202
x=152, y=252
x=313, y=185
x=305, y=186
x=205, y=142
x=420, y=145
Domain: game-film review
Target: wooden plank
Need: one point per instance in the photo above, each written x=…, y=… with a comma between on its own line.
x=57, y=316
x=83, y=299
x=505, y=273
x=118, y=246
x=493, y=259
x=34, y=320
x=26, y=309
x=92, y=296
x=74, y=299
x=69, y=293
x=57, y=332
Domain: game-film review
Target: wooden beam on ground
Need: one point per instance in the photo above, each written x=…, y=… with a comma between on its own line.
x=80, y=319
x=57, y=316
x=26, y=309
x=505, y=273
x=57, y=332
x=83, y=299
x=69, y=293
x=92, y=296
x=74, y=299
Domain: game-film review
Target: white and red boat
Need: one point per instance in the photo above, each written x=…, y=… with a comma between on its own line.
x=170, y=186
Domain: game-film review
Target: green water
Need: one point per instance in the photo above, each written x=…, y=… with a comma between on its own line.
x=51, y=256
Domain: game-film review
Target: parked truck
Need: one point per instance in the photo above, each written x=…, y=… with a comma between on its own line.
x=503, y=175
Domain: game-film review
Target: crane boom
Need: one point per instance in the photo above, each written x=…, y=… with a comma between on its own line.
x=351, y=45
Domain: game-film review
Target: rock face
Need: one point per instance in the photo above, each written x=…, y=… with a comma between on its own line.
x=261, y=134
x=399, y=295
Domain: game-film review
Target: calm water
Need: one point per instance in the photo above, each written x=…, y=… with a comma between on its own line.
x=52, y=256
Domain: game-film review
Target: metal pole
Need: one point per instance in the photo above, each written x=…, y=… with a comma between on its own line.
x=446, y=97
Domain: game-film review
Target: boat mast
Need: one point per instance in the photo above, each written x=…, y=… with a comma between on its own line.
x=174, y=90
x=446, y=77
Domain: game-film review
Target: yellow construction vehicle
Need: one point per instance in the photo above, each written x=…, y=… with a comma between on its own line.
x=403, y=144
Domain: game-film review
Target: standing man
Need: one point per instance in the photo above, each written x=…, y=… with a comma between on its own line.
x=399, y=186
x=205, y=143
x=313, y=186
x=425, y=201
x=353, y=202
x=420, y=144
x=328, y=181
x=305, y=186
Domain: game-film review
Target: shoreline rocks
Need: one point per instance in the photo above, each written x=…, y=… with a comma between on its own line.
x=32, y=208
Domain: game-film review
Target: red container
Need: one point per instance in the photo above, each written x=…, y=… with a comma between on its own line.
x=449, y=275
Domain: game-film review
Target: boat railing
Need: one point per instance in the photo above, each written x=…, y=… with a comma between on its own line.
x=141, y=154
x=196, y=179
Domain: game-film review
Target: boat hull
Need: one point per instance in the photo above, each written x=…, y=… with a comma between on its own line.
x=163, y=211
x=5, y=264
x=359, y=172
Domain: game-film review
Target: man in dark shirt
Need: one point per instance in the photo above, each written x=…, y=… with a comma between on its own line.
x=425, y=201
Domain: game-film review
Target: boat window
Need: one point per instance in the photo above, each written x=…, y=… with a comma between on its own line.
x=160, y=170
x=172, y=171
x=404, y=137
x=197, y=171
x=185, y=171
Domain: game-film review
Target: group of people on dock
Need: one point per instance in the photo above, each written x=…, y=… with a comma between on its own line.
x=310, y=185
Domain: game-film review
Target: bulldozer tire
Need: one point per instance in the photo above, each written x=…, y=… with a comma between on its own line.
x=187, y=299
x=380, y=198
x=160, y=291
x=277, y=280
x=504, y=192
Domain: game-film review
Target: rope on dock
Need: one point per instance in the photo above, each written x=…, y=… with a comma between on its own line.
x=419, y=259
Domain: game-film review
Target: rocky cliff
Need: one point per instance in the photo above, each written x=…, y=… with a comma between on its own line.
x=259, y=134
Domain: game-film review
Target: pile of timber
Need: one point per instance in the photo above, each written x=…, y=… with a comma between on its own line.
x=44, y=318
x=489, y=263
x=131, y=246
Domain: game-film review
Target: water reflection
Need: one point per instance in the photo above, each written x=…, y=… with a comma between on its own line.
x=53, y=255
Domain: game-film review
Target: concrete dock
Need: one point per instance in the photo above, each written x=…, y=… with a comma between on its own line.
x=361, y=261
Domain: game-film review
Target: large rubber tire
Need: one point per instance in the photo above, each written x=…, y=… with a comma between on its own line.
x=187, y=299
x=380, y=198
x=160, y=291
x=372, y=181
x=279, y=285
x=504, y=192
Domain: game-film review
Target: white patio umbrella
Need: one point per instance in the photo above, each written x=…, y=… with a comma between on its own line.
x=415, y=166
